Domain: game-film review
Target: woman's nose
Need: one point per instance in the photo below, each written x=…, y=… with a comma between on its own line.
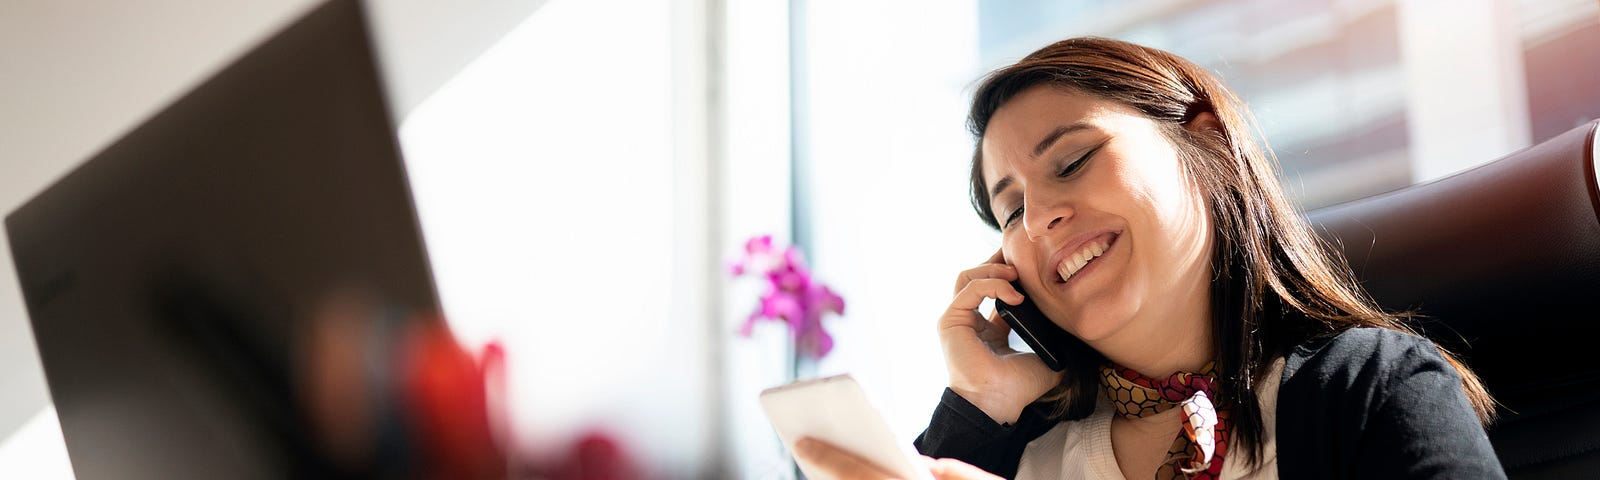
x=1046, y=220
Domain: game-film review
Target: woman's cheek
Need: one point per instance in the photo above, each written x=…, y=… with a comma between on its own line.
x=1009, y=249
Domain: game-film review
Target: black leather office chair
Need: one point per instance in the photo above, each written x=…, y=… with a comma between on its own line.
x=1504, y=260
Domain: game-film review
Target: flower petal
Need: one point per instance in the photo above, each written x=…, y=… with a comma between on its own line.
x=758, y=245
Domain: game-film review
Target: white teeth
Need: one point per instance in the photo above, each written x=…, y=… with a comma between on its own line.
x=1075, y=262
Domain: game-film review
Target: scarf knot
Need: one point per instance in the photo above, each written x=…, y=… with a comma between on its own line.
x=1195, y=454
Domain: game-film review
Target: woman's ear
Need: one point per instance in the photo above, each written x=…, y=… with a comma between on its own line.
x=1205, y=122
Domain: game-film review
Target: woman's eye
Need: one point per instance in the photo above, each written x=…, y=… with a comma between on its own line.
x=1070, y=169
x=1077, y=164
x=1015, y=214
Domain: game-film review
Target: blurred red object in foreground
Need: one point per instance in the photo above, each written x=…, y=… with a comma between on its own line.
x=392, y=394
x=446, y=393
x=452, y=404
x=597, y=456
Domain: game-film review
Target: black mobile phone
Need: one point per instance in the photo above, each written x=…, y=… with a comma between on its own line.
x=1047, y=339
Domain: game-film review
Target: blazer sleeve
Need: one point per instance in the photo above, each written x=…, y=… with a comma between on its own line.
x=1376, y=403
x=961, y=430
x=1424, y=427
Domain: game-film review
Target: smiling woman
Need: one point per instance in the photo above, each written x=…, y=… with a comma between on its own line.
x=1111, y=190
x=1137, y=213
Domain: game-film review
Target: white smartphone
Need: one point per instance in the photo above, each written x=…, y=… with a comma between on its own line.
x=835, y=410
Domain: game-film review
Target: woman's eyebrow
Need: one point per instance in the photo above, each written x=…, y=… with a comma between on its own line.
x=1056, y=134
x=999, y=187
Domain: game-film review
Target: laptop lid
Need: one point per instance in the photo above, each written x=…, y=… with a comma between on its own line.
x=167, y=277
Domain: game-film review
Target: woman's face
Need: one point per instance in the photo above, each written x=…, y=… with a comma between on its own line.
x=1106, y=231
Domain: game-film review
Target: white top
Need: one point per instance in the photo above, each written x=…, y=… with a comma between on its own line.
x=1081, y=449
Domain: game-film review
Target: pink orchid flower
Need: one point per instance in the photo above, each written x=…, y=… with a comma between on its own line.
x=792, y=295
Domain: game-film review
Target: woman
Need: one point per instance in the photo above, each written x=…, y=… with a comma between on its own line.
x=1219, y=337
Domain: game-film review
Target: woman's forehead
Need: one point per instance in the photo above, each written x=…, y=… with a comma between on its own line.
x=1018, y=129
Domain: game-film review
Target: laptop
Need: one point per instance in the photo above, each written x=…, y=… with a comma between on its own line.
x=166, y=277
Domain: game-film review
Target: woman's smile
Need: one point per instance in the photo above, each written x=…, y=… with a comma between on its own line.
x=1078, y=259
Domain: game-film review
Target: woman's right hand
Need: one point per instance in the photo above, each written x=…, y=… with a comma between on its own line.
x=984, y=369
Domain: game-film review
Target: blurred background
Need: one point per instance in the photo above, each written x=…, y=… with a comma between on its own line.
x=586, y=170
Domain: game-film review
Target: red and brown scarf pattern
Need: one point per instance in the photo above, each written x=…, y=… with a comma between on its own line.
x=1198, y=452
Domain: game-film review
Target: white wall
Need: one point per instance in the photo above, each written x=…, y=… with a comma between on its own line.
x=544, y=176
x=75, y=75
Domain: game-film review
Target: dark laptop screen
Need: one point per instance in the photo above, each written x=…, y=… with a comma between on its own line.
x=168, y=276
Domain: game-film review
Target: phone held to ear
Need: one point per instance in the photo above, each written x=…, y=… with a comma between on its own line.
x=1047, y=339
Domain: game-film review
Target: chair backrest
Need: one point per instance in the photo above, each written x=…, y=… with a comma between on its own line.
x=1503, y=262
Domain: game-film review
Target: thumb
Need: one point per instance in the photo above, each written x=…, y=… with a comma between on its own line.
x=952, y=469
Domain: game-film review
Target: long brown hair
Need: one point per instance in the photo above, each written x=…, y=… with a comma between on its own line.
x=1275, y=283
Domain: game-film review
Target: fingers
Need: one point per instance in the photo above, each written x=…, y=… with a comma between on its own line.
x=827, y=461
x=998, y=257
x=996, y=334
x=969, y=297
x=987, y=270
x=950, y=468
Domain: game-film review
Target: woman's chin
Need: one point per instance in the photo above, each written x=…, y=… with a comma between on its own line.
x=1088, y=333
x=1091, y=325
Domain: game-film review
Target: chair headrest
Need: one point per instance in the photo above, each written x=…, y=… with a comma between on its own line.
x=1503, y=260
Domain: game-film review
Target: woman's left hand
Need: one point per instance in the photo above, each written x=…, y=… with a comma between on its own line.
x=829, y=462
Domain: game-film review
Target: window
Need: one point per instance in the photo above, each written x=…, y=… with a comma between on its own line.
x=544, y=178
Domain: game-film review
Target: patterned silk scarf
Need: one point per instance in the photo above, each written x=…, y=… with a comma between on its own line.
x=1197, y=453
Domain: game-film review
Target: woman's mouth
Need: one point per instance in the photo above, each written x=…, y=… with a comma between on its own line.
x=1074, y=264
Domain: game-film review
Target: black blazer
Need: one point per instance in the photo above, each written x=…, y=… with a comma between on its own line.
x=1367, y=403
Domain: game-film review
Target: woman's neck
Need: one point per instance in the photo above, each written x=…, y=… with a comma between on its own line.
x=1161, y=341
